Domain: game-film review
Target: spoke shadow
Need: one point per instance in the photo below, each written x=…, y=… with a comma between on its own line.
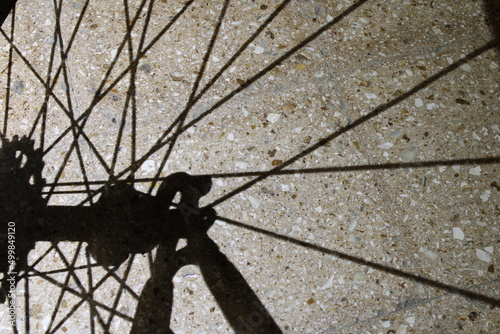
x=111, y=226
x=122, y=223
x=5, y=7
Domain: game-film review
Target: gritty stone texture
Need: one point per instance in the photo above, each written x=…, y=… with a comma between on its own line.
x=340, y=113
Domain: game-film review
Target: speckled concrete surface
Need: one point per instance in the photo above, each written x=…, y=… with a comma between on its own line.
x=354, y=150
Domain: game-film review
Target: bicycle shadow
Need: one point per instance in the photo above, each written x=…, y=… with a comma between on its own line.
x=121, y=223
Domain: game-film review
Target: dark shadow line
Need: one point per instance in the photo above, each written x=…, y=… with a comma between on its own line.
x=334, y=169
x=101, y=94
x=133, y=75
x=91, y=290
x=130, y=96
x=63, y=55
x=9, y=75
x=42, y=113
x=256, y=77
x=59, y=271
x=71, y=273
x=190, y=103
x=32, y=272
x=240, y=50
x=120, y=291
x=250, y=81
x=145, y=26
x=32, y=69
x=374, y=265
x=86, y=114
x=403, y=165
x=31, y=267
x=377, y=111
x=49, y=90
x=59, y=192
x=196, y=98
x=83, y=297
x=61, y=105
x=61, y=294
x=59, y=173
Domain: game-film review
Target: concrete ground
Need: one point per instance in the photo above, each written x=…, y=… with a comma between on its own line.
x=353, y=149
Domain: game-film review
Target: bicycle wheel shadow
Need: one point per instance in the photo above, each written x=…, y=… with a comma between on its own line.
x=123, y=222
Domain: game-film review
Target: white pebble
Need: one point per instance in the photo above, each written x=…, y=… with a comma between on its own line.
x=465, y=67
x=418, y=102
x=328, y=284
x=483, y=256
x=402, y=329
x=259, y=50
x=255, y=202
x=360, y=277
x=241, y=164
x=458, y=233
x=430, y=254
x=273, y=118
x=475, y=171
x=386, y=146
x=148, y=166
x=485, y=196
x=431, y=106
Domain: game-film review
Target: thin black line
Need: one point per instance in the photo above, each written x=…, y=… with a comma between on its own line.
x=190, y=103
x=250, y=81
x=100, y=95
x=120, y=291
x=64, y=66
x=26, y=306
x=86, y=114
x=402, y=165
x=72, y=273
x=380, y=109
x=333, y=169
x=374, y=265
x=91, y=289
x=197, y=97
x=83, y=297
x=66, y=282
x=9, y=75
x=58, y=101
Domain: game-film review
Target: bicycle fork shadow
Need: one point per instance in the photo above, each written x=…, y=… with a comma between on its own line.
x=123, y=222
x=238, y=302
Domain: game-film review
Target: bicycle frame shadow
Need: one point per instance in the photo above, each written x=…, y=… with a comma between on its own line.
x=121, y=223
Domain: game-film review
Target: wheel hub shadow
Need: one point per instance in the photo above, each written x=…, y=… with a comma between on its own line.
x=124, y=222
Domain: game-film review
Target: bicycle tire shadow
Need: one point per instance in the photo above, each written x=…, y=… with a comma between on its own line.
x=123, y=222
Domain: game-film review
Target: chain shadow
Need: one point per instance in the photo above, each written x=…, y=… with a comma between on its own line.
x=123, y=222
